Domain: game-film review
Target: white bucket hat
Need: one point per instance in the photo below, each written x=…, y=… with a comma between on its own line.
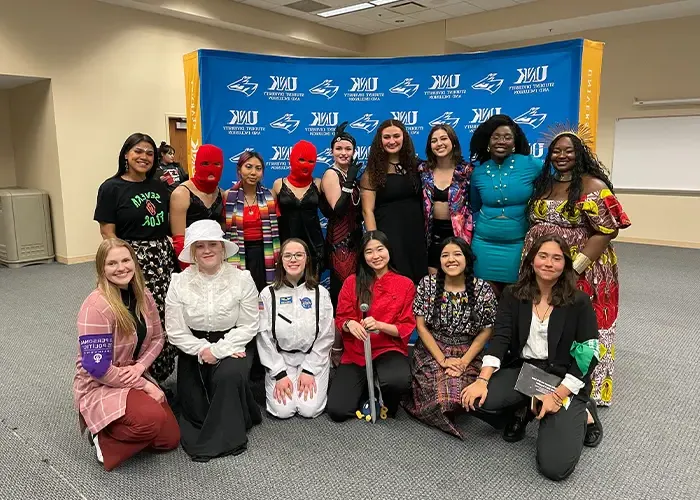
x=205, y=230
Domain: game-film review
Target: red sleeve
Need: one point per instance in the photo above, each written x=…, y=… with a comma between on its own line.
x=406, y=321
x=347, y=304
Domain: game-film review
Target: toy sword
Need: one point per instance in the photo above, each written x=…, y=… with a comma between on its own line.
x=370, y=369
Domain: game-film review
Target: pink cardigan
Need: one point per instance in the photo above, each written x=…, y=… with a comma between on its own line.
x=102, y=401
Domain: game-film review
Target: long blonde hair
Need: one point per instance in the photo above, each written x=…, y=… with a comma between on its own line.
x=111, y=292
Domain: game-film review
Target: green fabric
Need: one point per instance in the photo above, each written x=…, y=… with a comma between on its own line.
x=583, y=353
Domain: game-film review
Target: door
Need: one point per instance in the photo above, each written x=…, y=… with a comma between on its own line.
x=177, y=131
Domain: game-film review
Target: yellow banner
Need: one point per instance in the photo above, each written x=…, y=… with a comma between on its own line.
x=591, y=67
x=194, y=126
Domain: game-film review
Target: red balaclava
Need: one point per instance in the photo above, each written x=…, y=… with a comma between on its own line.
x=302, y=160
x=208, y=162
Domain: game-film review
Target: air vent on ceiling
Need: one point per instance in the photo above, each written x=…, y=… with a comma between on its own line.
x=407, y=8
x=307, y=6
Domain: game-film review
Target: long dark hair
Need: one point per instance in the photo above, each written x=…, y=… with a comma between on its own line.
x=378, y=158
x=479, y=145
x=132, y=141
x=457, y=157
x=468, y=279
x=310, y=277
x=365, y=275
x=246, y=156
x=586, y=163
x=563, y=291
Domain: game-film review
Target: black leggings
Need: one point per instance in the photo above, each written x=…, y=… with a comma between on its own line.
x=349, y=386
x=442, y=229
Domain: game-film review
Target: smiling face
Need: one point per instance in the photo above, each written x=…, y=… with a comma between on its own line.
x=251, y=171
x=294, y=260
x=563, y=154
x=119, y=267
x=549, y=262
x=392, y=140
x=452, y=260
x=140, y=158
x=342, y=153
x=376, y=255
x=502, y=142
x=440, y=144
x=208, y=255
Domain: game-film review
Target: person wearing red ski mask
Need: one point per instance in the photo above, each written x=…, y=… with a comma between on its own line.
x=298, y=196
x=198, y=198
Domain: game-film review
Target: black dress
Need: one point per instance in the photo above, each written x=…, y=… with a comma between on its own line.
x=299, y=219
x=399, y=214
x=199, y=211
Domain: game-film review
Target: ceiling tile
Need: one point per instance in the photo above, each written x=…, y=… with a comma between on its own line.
x=460, y=9
x=401, y=22
x=378, y=13
x=430, y=15
x=492, y=4
x=436, y=4
x=261, y=3
x=364, y=22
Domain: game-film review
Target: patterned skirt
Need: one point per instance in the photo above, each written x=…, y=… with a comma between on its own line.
x=436, y=396
x=157, y=261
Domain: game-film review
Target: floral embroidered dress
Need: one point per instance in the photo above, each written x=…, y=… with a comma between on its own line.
x=597, y=212
x=437, y=396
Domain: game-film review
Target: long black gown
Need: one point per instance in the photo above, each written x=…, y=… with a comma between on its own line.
x=398, y=212
x=299, y=219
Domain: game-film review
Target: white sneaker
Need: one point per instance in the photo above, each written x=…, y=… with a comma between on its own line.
x=98, y=450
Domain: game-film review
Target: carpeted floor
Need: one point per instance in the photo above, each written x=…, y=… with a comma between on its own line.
x=650, y=451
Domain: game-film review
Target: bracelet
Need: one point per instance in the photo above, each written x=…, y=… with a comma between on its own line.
x=484, y=379
x=581, y=262
x=345, y=325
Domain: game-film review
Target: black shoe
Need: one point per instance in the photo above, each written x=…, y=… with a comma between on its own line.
x=515, y=429
x=594, y=431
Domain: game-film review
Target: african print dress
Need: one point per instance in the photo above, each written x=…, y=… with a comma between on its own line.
x=436, y=396
x=596, y=213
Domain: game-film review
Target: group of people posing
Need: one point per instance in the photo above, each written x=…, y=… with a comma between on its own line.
x=497, y=261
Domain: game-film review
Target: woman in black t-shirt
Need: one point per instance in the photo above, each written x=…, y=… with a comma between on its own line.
x=133, y=205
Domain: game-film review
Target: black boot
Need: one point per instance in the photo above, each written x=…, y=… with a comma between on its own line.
x=594, y=431
x=514, y=430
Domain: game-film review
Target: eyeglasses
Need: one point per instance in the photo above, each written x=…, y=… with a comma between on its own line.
x=293, y=256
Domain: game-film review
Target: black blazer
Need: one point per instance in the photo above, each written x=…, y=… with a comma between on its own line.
x=567, y=324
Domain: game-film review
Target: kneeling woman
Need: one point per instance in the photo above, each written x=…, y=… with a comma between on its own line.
x=454, y=314
x=211, y=313
x=388, y=323
x=296, y=335
x=120, y=335
x=546, y=322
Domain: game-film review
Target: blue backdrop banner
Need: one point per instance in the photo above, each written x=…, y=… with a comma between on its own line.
x=243, y=101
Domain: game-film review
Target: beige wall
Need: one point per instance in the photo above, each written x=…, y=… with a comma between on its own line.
x=113, y=71
x=34, y=144
x=7, y=155
x=655, y=60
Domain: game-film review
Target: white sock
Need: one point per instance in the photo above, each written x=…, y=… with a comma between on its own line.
x=98, y=450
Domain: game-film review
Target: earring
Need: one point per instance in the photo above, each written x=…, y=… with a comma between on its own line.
x=127, y=167
x=488, y=149
x=513, y=149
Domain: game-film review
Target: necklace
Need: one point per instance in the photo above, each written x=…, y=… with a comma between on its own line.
x=249, y=205
x=544, y=316
x=397, y=166
x=566, y=177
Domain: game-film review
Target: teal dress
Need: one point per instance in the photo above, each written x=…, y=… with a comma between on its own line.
x=499, y=197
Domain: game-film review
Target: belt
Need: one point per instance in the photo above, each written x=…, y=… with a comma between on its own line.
x=211, y=337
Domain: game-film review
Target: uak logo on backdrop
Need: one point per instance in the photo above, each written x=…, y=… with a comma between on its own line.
x=445, y=119
x=283, y=88
x=243, y=122
x=286, y=122
x=325, y=157
x=325, y=88
x=323, y=123
x=405, y=87
x=491, y=84
x=244, y=85
x=445, y=87
x=532, y=117
x=237, y=156
x=409, y=119
x=280, y=158
x=366, y=123
x=364, y=89
x=362, y=153
x=532, y=80
x=480, y=116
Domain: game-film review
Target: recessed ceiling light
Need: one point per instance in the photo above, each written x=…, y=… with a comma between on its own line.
x=398, y=21
x=346, y=10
